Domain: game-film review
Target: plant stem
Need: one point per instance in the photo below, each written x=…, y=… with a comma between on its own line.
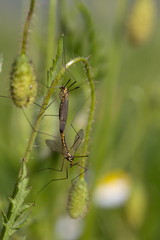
x=91, y=114
x=50, y=47
x=26, y=27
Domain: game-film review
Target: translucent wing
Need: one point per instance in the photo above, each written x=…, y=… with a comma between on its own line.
x=78, y=139
x=54, y=145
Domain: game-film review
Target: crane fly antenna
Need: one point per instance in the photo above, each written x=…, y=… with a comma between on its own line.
x=67, y=83
x=73, y=89
x=72, y=84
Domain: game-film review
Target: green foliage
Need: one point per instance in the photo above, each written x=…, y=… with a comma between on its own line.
x=14, y=219
x=123, y=134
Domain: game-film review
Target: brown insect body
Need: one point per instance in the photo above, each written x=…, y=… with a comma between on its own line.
x=69, y=157
x=63, y=109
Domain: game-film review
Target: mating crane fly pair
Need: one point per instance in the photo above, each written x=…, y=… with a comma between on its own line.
x=63, y=114
x=65, y=151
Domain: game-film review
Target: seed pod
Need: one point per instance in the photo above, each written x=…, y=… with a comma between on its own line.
x=78, y=201
x=141, y=21
x=23, y=85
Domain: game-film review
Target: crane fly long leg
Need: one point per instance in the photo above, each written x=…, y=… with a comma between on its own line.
x=48, y=168
x=45, y=108
x=49, y=115
x=52, y=180
x=54, y=169
x=2, y=96
x=85, y=170
x=33, y=127
x=82, y=156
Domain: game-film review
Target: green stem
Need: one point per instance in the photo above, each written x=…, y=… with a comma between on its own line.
x=51, y=31
x=26, y=27
x=91, y=113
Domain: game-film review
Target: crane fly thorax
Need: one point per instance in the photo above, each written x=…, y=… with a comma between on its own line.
x=64, y=94
x=69, y=156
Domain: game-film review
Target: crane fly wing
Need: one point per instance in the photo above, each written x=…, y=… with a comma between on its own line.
x=53, y=145
x=78, y=139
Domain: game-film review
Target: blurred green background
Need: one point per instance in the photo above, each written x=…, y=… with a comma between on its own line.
x=126, y=129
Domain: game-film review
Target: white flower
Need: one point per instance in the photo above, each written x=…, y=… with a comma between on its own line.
x=68, y=228
x=113, y=190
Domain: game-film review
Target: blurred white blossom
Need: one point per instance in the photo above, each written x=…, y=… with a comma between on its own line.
x=68, y=228
x=113, y=190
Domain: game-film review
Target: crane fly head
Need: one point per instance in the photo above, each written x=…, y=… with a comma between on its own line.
x=64, y=92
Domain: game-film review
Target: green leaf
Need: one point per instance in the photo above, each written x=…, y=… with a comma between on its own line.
x=15, y=218
x=21, y=220
x=57, y=61
x=4, y=218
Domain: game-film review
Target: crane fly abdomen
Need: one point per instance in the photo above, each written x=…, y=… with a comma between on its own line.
x=63, y=113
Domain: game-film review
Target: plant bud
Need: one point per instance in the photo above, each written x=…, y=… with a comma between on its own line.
x=141, y=21
x=23, y=85
x=78, y=200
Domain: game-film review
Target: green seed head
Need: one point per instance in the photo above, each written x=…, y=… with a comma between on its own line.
x=23, y=83
x=78, y=201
